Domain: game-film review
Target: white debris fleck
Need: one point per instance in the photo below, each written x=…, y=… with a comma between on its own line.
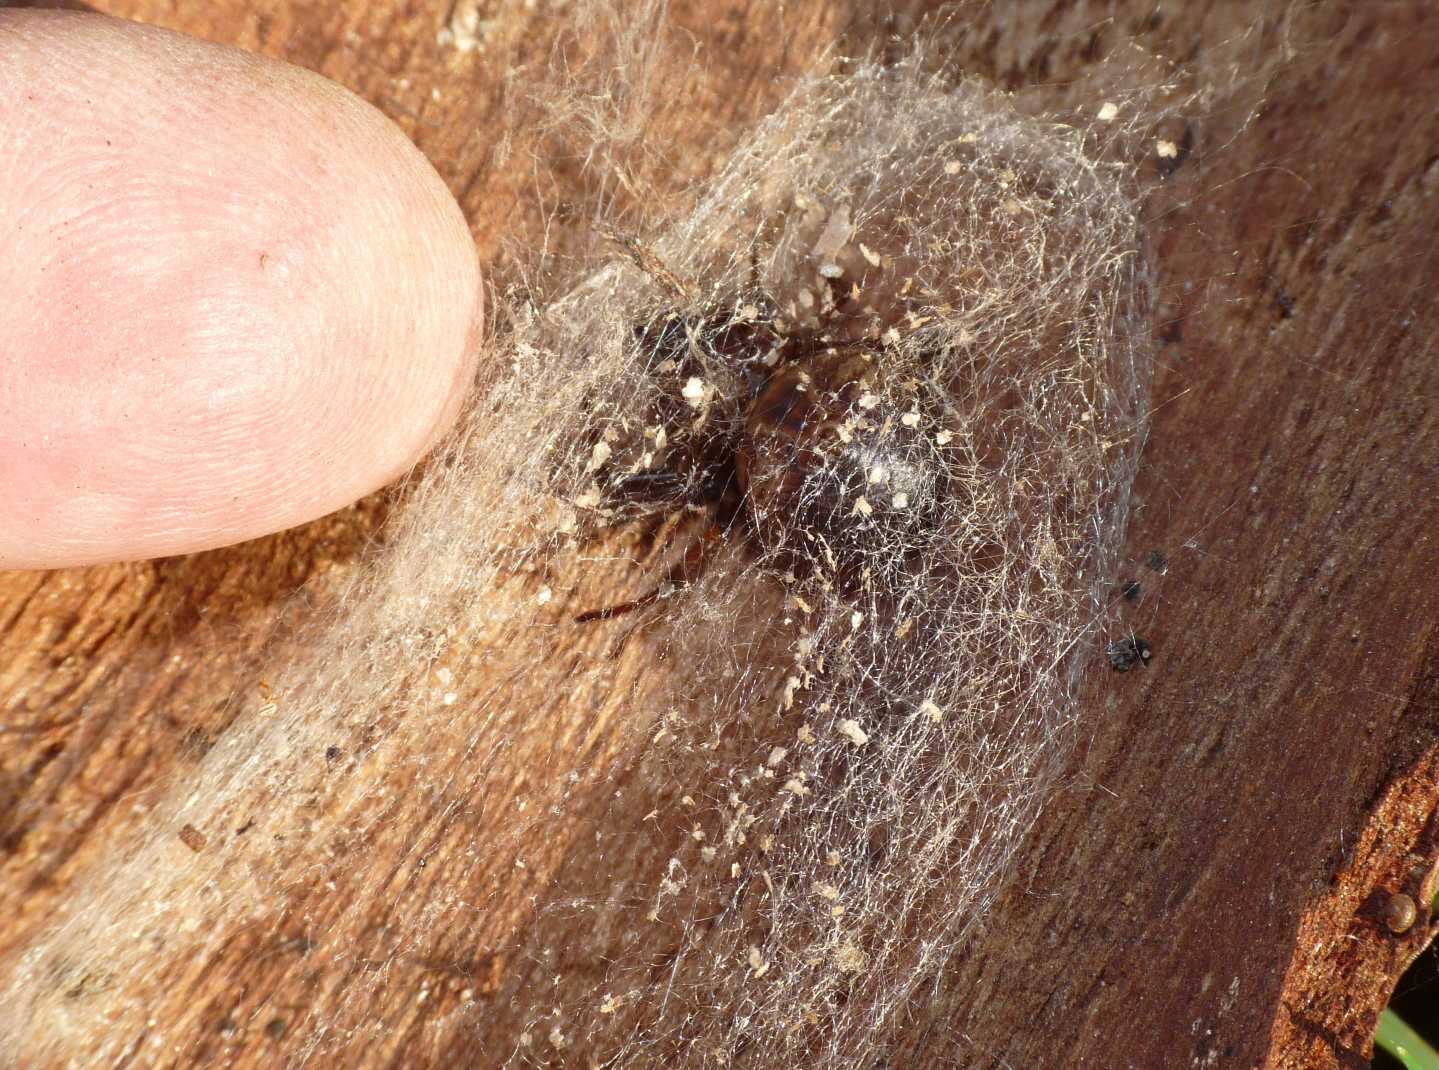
x=544, y=595
x=930, y=710
x=465, y=30
x=836, y=234
x=868, y=401
x=826, y=891
x=856, y=619
x=910, y=419
x=944, y=437
x=791, y=685
x=450, y=698
x=1108, y=111
x=900, y=500
x=862, y=507
x=757, y=963
x=890, y=337
x=830, y=271
x=850, y=729
x=1167, y=149
x=693, y=390
x=776, y=755
x=795, y=786
x=599, y=455
x=869, y=254
x=878, y=474
x=953, y=167
x=849, y=958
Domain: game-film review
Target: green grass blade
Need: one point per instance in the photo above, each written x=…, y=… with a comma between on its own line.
x=1395, y=1037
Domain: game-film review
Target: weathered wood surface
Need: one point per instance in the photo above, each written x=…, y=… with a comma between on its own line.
x=1209, y=890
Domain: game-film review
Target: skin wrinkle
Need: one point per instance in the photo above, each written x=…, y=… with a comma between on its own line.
x=246, y=299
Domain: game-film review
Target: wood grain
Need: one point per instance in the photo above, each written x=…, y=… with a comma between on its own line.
x=1210, y=888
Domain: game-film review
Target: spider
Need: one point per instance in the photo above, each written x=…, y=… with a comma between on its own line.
x=802, y=438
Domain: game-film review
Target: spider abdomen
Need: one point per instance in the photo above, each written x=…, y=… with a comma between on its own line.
x=836, y=465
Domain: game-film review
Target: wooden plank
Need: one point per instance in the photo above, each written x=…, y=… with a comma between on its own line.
x=1211, y=886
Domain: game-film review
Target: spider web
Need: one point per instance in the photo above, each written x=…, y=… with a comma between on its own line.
x=837, y=760
x=850, y=753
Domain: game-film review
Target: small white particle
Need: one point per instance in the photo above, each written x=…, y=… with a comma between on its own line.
x=910, y=419
x=930, y=710
x=890, y=337
x=953, y=167
x=544, y=595
x=831, y=271
x=776, y=755
x=943, y=437
x=868, y=401
x=900, y=500
x=1167, y=149
x=791, y=685
x=826, y=891
x=1108, y=111
x=851, y=730
x=757, y=963
x=878, y=474
x=862, y=507
x=869, y=254
x=856, y=619
x=450, y=698
x=599, y=455
x=694, y=390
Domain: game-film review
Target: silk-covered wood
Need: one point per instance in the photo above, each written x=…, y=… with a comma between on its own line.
x=1210, y=889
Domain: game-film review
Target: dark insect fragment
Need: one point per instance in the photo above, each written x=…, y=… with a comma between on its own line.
x=1124, y=654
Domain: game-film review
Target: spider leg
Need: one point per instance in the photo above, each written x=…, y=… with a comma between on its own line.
x=684, y=572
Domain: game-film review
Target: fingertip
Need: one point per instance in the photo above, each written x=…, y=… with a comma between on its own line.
x=241, y=297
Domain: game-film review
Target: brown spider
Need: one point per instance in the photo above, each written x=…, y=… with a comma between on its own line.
x=799, y=438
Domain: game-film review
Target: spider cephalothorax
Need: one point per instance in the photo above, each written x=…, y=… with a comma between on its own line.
x=805, y=439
